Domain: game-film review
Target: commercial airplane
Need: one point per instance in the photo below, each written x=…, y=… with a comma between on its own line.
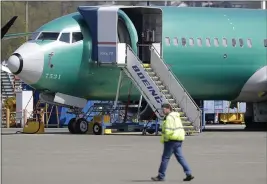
x=217, y=54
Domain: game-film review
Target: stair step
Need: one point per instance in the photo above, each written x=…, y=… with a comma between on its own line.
x=184, y=118
x=7, y=91
x=149, y=69
x=146, y=65
x=6, y=86
x=177, y=109
x=161, y=87
x=175, y=105
x=187, y=123
x=182, y=114
x=171, y=100
x=155, y=78
x=5, y=80
x=151, y=74
x=165, y=91
x=158, y=83
x=168, y=96
x=188, y=127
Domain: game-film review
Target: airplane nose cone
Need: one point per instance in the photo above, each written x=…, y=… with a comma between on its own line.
x=15, y=63
x=27, y=62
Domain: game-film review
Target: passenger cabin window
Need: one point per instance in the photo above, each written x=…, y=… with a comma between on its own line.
x=199, y=42
x=175, y=41
x=233, y=42
x=183, y=41
x=48, y=36
x=249, y=43
x=65, y=37
x=224, y=40
x=167, y=41
x=191, y=41
x=265, y=43
x=207, y=42
x=77, y=36
x=241, y=43
x=216, y=42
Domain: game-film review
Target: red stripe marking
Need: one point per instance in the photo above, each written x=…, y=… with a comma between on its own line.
x=107, y=43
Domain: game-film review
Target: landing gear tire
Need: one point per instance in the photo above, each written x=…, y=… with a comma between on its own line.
x=81, y=126
x=71, y=126
x=97, y=129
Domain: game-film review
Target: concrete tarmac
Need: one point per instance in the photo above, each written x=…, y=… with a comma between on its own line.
x=61, y=158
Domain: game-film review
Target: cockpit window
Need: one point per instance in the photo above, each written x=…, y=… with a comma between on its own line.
x=65, y=37
x=48, y=36
x=34, y=36
x=77, y=36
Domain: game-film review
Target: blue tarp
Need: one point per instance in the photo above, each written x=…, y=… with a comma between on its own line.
x=65, y=118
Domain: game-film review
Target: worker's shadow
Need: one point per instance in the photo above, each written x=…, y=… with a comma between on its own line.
x=150, y=181
x=141, y=181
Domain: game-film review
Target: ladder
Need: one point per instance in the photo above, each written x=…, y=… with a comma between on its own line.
x=7, y=89
x=158, y=85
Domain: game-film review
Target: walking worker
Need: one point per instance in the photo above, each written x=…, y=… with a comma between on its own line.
x=173, y=135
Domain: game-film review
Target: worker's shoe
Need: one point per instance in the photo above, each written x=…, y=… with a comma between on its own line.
x=157, y=178
x=189, y=177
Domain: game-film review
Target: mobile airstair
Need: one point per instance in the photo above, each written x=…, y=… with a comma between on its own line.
x=155, y=80
x=158, y=85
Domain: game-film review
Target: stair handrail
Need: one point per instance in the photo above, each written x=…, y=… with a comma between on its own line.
x=130, y=48
x=169, y=69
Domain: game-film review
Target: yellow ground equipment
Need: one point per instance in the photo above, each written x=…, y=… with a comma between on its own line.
x=33, y=127
x=10, y=106
x=95, y=125
x=231, y=118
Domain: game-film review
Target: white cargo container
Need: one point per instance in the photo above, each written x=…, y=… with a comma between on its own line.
x=220, y=106
x=209, y=106
x=24, y=101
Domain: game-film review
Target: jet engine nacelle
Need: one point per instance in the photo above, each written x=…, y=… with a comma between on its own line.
x=110, y=25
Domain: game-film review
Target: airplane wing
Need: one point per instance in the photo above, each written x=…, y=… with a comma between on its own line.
x=15, y=35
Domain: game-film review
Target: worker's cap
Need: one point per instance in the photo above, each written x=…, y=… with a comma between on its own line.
x=166, y=106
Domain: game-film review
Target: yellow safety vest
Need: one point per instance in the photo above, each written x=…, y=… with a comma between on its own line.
x=172, y=128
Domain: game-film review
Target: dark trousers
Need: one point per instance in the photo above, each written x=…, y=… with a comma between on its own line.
x=173, y=147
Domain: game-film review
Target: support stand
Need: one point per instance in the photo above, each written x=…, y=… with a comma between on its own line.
x=118, y=90
x=139, y=106
x=127, y=105
x=157, y=130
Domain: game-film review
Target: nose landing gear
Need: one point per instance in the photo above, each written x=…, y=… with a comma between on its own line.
x=78, y=126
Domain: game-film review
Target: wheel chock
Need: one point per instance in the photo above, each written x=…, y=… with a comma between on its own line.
x=108, y=131
x=33, y=127
x=95, y=132
x=90, y=128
